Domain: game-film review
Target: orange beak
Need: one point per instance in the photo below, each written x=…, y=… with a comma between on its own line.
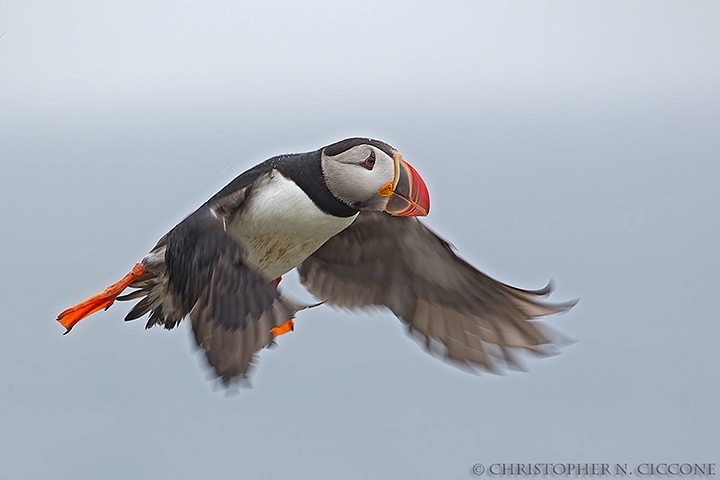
x=409, y=194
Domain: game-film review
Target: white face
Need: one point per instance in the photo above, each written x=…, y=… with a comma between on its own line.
x=357, y=175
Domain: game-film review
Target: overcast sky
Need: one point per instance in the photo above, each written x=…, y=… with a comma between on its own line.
x=576, y=141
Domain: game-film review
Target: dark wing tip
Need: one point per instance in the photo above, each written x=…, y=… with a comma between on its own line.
x=547, y=290
x=565, y=306
x=541, y=292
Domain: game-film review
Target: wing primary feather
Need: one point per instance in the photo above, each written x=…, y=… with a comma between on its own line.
x=400, y=264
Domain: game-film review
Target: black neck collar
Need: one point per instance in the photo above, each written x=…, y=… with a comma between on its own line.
x=305, y=169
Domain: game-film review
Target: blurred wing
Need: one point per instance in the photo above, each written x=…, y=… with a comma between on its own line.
x=232, y=308
x=399, y=263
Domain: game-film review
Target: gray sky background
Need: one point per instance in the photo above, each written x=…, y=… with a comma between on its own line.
x=572, y=140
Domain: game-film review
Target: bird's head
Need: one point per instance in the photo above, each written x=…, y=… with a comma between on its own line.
x=371, y=175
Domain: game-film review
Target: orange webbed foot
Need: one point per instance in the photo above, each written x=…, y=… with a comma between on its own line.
x=286, y=327
x=101, y=301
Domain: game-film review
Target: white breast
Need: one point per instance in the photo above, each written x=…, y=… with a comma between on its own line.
x=280, y=226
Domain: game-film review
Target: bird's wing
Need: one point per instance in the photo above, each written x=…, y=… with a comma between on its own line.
x=232, y=307
x=399, y=263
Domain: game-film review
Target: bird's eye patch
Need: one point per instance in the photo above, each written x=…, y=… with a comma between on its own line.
x=369, y=162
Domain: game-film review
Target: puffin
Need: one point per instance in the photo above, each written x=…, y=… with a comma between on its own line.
x=346, y=217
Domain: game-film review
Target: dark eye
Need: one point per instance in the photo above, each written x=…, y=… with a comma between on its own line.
x=369, y=162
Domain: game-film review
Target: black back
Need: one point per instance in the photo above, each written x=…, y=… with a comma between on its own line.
x=305, y=169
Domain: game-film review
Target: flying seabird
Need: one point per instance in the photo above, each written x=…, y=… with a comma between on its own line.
x=345, y=217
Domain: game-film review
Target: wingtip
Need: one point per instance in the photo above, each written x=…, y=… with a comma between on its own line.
x=540, y=292
x=546, y=290
x=569, y=304
x=298, y=306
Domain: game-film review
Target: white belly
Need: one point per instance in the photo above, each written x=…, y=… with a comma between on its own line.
x=280, y=226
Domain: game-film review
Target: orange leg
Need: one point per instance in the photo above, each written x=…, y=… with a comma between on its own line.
x=68, y=318
x=286, y=327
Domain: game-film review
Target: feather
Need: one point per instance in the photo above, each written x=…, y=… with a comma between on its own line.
x=399, y=263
